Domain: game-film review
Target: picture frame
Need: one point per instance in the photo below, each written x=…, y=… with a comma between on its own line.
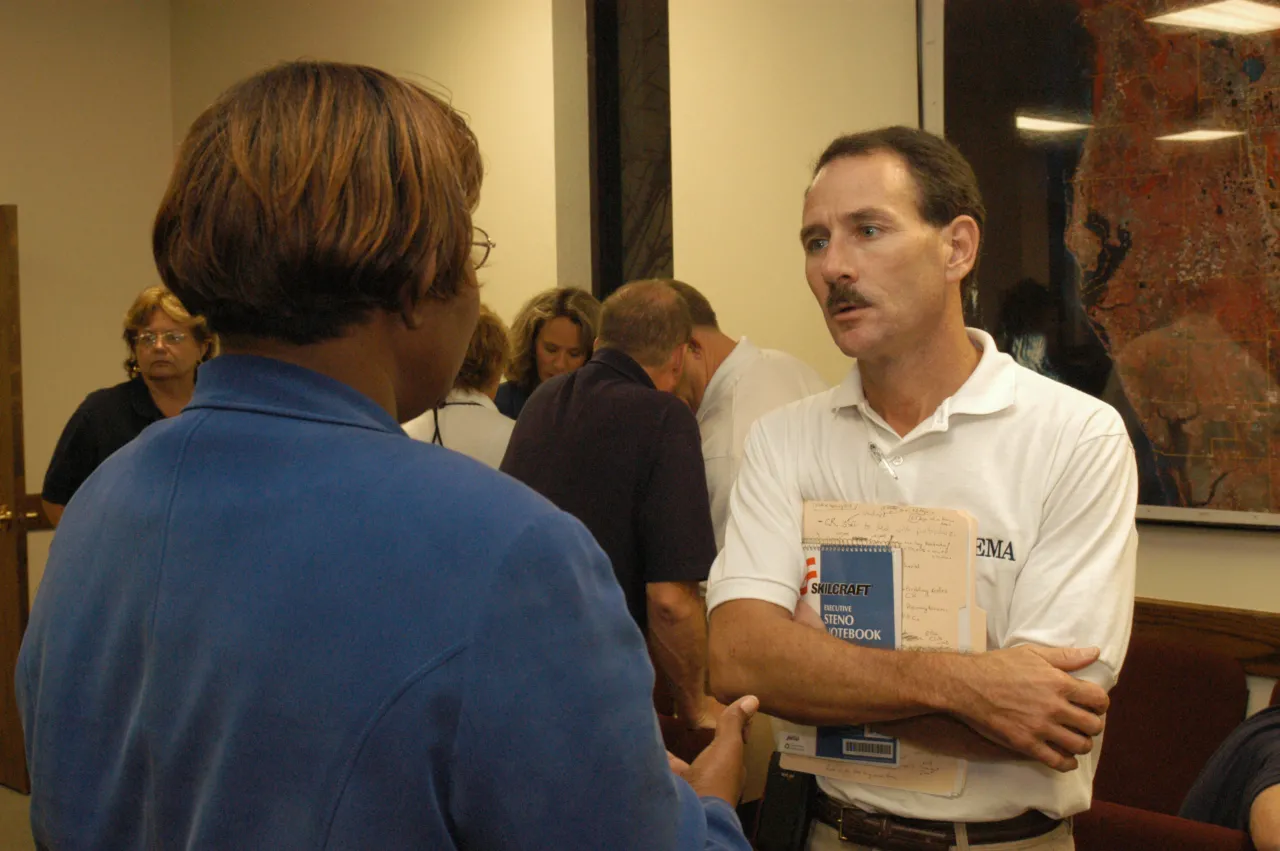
x=1096, y=267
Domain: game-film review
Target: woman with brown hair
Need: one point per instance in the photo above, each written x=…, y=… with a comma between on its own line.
x=166, y=344
x=468, y=421
x=275, y=620
x=554, y=333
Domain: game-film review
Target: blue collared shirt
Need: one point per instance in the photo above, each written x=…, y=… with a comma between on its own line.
x=276, y=621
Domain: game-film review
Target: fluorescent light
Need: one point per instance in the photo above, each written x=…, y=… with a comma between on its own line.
x=1200, y=136
x=1046, y=125
x=1232, y=16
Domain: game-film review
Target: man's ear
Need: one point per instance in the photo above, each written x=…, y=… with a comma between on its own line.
x=676, y=364
x=962, y=239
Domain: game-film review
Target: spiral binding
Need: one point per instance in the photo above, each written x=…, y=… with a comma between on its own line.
x=833, y=545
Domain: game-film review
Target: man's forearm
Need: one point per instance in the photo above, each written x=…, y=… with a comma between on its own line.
x=1264, y=820
x=944, y=735
x=1022, y=698
x=678, y=640
x=809, y=677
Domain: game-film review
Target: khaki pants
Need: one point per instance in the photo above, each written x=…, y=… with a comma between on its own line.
x=823, y=837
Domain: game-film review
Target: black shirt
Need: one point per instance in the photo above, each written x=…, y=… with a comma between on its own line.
x=106, y=420
x=1245, y=765
x=510, y=399
x=624, y=458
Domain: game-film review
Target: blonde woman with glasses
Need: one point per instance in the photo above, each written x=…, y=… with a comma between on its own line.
x=166, y=344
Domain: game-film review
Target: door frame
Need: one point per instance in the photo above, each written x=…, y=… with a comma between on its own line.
x=16, y=511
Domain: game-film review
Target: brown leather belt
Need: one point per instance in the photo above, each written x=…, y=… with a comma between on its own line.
x=895, y=833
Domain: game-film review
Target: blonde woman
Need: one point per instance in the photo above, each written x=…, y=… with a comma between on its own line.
x=553, y=334
x=166, y=344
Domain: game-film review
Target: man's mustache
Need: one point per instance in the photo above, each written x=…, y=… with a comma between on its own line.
x=842, y=296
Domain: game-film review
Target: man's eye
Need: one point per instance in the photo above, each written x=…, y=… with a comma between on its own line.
x=869, y=230
x=815, y=245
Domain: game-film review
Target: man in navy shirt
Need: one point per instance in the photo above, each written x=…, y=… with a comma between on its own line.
x=276, y=621
x=612, y=444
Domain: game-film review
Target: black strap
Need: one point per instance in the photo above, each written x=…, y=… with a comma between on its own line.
x=435, y=435
x=435, y=418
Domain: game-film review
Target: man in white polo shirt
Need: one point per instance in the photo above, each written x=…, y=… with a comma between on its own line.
x=932, y=414
x=729, y=384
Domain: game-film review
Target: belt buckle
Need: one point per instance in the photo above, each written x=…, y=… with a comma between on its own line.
x=873, y=827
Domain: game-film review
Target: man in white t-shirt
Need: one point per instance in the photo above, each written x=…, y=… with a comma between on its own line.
x=729, y=383
x=933, y=415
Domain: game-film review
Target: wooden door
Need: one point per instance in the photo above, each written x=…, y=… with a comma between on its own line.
x=15, y=511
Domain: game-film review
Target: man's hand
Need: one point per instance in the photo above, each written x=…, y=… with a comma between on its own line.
x=719, y=771
x=1023, y=699
x=707, y=715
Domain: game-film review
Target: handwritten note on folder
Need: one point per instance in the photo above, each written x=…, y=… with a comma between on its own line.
x=934, y=608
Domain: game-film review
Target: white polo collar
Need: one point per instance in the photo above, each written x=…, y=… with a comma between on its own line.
x=464, y=396
x=992, y=387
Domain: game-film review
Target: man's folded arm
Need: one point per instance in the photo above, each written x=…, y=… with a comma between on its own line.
x=1022, y=696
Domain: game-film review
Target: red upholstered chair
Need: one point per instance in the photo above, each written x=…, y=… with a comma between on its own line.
x=1173, y=706
x=1115, y=827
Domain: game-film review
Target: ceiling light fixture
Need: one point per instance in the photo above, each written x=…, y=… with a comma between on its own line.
x=1243, y=17
x=1200, y=136
x=1046, y=125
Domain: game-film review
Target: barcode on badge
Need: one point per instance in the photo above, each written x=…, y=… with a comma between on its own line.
x=856, y=748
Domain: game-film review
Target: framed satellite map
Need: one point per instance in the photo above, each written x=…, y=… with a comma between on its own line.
x=1129, y=154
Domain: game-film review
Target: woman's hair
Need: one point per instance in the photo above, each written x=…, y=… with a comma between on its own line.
x=487, y=355
x=313, y=193
x=144, y=307
x=578, y=306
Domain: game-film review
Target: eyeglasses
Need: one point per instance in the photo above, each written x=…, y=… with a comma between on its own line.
x=480, y=247
x=169, y=338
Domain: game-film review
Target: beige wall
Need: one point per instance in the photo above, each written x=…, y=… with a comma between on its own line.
x=1215, y=567
x=84, y=153
x=494, y=57
x=758, y=88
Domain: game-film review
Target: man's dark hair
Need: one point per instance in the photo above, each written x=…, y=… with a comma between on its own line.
x=646, y=320
x=699, y=308
x=947, y=185
x=314, y=193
